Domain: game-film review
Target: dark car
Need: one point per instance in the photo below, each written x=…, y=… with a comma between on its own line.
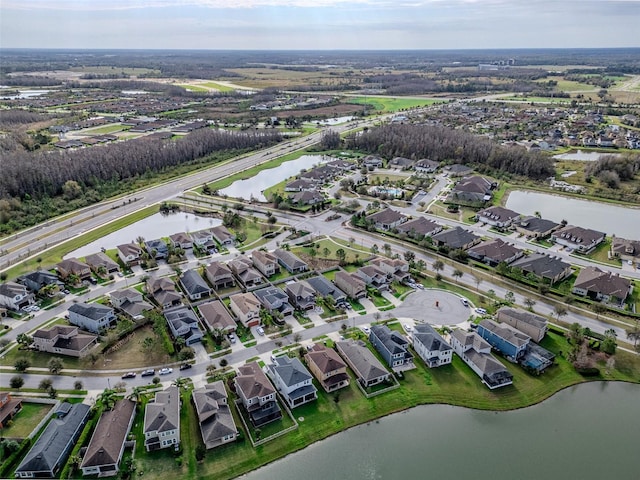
x=185, y=366
x=148, y=373
x=129, y=375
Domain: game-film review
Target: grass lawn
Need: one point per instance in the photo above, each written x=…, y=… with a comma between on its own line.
x=333, y=245
x=382, y=177
x=356, y=305
x=106, y=129
x=193, y=88
x=390, y=104
x=475, y=298
x=400, y=289
x=601, y=254
x=218, y=86
x=379, y=301
x=26, y=420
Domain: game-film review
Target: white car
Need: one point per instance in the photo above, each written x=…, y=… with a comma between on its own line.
x=165, y=371
x=481, y=311
x=366, y=330
x=260, y=331
x=408, y=328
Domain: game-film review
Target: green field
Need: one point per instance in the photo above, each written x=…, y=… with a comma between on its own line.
x=537, y=99
x=391, y=104
x=570, y=85
x=218, y=86
x=193, y=88
x=106, y=129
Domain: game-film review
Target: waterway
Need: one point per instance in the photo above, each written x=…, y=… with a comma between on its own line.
x=24, y=94
x=585, y=432
x=611, y=219
x=155, y=226
x=256, y=185
x=583, y=156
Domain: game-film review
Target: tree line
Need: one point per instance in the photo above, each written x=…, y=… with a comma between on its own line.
x=453, y=146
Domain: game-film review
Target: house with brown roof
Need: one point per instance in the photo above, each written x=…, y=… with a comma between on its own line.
x=14, y=296
x=257, y=394
x=535, y=326
x=181, y=240
x=350, y=284
x=534, y=227
x=101, y=262
x=219, y=275
x=456, y=238
x=290, y=261
x=265, y=262
x=626, y=250
x=216, y=317
x=214, y=415
x=577, y=238
x=301, y=295
x=602, y=286
x=543, y=266
x=386, y=219
x=9, y=407
x=494, y=251
x=63, y=340
x=426, y=166
x=162, y=420
x=223, y=236
x=474, y=190
x=419, y=227
x=73, y=266
x=163, y=291
x=374, y=277
x=130, y=302
x=497, y=216
x=242, y=268
x=396, y=268
x=106, y=447
x=129, y=253
x=329, y=369
x=246, y=307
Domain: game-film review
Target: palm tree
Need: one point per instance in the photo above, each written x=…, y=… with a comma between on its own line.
x=180, y=382
x=136, y=393
x=107, y=398
x=457, y=274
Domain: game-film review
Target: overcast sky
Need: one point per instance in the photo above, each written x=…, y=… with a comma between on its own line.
x=319, y=24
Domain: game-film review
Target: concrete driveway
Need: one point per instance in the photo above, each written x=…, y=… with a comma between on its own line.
x=437, y=307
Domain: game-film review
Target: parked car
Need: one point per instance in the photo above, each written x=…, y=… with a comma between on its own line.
x=148, y=373
x=260, y=331
x=129, y=375
x=464, y=301
x=165, y=371
x=185, y=366
x=407, y=328
x=366, y=330
x=66, y=292
x=481, y=311
x=232, y=338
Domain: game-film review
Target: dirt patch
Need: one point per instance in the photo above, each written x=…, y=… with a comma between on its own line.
x=131, y=354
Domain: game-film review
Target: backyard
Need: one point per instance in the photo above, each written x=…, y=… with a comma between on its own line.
x=26, y=420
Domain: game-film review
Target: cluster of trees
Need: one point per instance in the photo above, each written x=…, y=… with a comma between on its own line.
x=612, y=169
x=15, y=116
x=445, y=144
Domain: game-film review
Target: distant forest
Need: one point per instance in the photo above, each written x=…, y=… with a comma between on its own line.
x=453, y=146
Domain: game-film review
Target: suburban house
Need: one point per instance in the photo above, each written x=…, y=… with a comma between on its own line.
x=494, y=251
x=363, y=362
x=14, y=296
x=458, y=170
x=223, y=236
x=101, y=262
x=9, y=407
x=257, y=394
x=374, y=277
x=602, y=286
x=476, y=352
x=246, y=307
x=203, y=239
x=577, y=238
x=243, y=269
x=534, y=227
x=216, y=317
x=163, y=291
x=471, y=190
x=626, y=250
x=535, y=326
x=181, y=240
x=293, y=381
x=426, y=166
x=194, y=285
x=183, y=322
x=300, y=185
x=301, y=295
x=544, y=267
x=386, y=219
x=430, y=346
x=306, y=197
x=63, y=340
x=274, y=299
x=340, y=164
x=497, y=216
x=289, y=261
x=351, y=285
x=219, y=275
x=372, y=161
x=265, y=262
x=395, y=268
x=419, y=227
x=324, y=288
x=328, y=368
x=92, y=317
x=162, y=420
x=105, y=450
x=39, y=279
x=129, y=253
x=393, y=347
x=50, y=452
x=456, y=238
x=73, y=266
x=512, y=343
x=157, y=248
x=130, y=301
x=214, y=415
x=401, y=163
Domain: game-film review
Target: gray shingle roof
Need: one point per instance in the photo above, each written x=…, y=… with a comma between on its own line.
x=430, y=338
x=193, y=283
x=94, y=311
x=324, y=287
x=290, y=370
x=164, y=413
x=214, y=415
x=362, y=360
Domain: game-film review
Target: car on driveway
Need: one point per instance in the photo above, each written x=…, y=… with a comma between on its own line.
x=232, y=338
x=407, y=328
x=165, y=371
x=481, y=311
x=129, y=375
x=185, y=366
x=366, y=330
x=148, y=373
x=260, y=331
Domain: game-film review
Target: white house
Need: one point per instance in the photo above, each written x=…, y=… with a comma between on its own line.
x=293, y=381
